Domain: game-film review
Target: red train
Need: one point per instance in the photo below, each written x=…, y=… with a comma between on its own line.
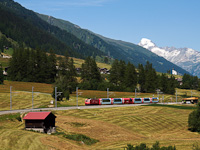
x=111, y=101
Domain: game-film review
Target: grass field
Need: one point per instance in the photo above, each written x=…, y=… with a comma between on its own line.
x=78, y=63
x=113, y=127
x=4, y=62
x=22, y=95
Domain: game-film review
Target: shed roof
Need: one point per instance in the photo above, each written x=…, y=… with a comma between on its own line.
x=36, y=115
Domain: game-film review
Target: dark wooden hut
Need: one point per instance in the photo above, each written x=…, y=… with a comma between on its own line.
x=40, y=121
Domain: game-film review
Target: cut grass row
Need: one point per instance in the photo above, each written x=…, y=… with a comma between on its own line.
x=114, y=128
x=144, y=124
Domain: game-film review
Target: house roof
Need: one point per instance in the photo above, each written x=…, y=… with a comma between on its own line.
x=36, y=115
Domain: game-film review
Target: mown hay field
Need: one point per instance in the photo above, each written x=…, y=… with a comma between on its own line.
x=25, y=86
x=79, y=62
x=113, y=127
x=22, y=95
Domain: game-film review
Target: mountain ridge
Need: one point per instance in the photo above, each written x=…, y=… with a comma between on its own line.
x=115, y=48
x=187, y=58
x=38, y=33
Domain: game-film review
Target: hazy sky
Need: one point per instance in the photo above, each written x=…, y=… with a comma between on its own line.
x=165, y=22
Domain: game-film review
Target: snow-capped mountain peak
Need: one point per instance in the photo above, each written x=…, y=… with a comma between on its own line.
x=146, y=43
x=186, y=58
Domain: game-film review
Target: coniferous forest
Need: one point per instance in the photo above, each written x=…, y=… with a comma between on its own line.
x=37, y=66
x=32, y=66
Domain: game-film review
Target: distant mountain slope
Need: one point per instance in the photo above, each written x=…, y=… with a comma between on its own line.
x=186, y=58
x=115, y=48
x=25, y=26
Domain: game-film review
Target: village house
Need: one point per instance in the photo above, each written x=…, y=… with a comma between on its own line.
x=179, y=80
x=104, y=71
x=40, y=121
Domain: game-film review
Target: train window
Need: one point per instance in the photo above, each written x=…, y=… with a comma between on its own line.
x=117, y=100
x=105, y=100
x=154, y=99
x=137, y=99
x=130, y=100
x=146, y=99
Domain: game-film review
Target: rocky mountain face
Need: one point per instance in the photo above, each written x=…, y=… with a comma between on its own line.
x=185, y=58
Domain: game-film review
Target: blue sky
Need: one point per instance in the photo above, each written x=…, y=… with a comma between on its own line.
x=165, y=22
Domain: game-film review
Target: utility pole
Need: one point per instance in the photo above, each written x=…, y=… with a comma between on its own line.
x=55, y=97
x=135, y=92
x=107, y=92
x=10, y=97
x=163, y=98
x=32, y=97
x=158, y=91
x=77, y=94
x=56, y=94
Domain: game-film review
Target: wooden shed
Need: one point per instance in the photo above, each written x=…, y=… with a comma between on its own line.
x=190, y=100
x=40, y=121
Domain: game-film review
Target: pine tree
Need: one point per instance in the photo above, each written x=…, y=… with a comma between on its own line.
x=130, y=76
x=141, y=78
x=62, y=85
x=90, y=74
x=164, y=83
x=13, y=66
x=171, y=85
x=51, y=68
x=114, y=73
x=90, y=70
x=150, y=78
x=121, y=70
x=66, y=81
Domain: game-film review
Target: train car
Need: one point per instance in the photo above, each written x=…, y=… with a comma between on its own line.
x=105, y=101
x=146, y=100
x=155, y=100
x=117, y=101
x=128, y=101
x=138, y=101
x=91, y=101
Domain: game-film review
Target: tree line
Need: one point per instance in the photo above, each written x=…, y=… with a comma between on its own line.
x=37, y=66
x=32, y=66
x=126, y=77
x=190, y=82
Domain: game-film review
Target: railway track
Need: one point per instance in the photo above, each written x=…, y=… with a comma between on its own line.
x=69, y=108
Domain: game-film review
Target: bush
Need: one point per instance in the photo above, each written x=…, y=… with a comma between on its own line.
x=80, y=137
x=143, y=146
x=194, y=120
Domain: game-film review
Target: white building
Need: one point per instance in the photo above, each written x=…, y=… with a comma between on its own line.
x=174, y=72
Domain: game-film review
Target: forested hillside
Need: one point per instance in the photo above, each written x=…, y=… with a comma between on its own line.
x=115, y=48
x=25, y=27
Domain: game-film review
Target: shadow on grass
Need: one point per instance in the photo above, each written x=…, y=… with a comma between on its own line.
x=78, y=137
